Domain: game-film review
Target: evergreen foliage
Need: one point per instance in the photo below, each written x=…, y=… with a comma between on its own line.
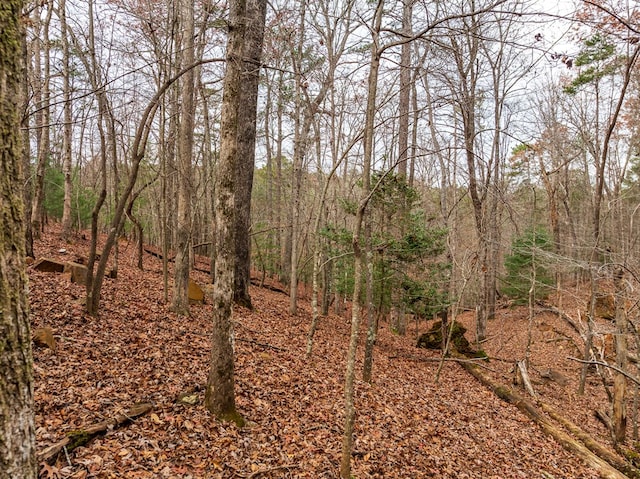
x=82, y=198
x=598, y=56
x=525, y=256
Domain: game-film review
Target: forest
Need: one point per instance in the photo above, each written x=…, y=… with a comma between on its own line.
x=354, y=238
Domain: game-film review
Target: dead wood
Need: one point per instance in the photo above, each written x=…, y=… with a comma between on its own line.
x=563, y=315
x=158, y=254
x=593, y=445
x=605, y=470
x=260, y=284
x=43, y=337
x=631, y=377
x=604, y=418
x=524, y=376
x=80, y=437
x=553, y=375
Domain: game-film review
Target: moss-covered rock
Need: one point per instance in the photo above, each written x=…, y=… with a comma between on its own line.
x=432, y=339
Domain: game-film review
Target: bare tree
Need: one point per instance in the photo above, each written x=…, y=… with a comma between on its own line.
x=42, y=94
x=358, y=246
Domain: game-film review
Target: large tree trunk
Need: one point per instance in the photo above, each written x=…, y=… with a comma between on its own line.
x=180, y=303
x=17, y=431
x=219, y=395
x=256, y=12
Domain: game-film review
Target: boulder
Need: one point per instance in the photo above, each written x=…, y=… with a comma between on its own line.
x=43, y=337
x=49, y=265
x=605, y=306
x=78, y=272
x=196, y=295
x=432, y=339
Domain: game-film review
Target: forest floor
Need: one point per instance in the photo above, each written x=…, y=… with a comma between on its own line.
x=407, y=425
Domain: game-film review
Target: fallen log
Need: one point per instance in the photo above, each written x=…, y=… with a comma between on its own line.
x=80, y=437
x=561, y=314
x=591, y=443
x=505, y=393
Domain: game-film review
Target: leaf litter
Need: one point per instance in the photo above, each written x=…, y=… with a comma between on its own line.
x=136, y=350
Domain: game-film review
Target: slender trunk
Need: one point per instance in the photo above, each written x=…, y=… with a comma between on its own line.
x=180, y=302
x=359, y=253
x=619, y=416
x=405, y=91
x=26, y=149
x=604, y=152
x=301, y=131
x=372, y=323
x=283, y=225
x=66, y=94
x=91, y=65
x=43, y=118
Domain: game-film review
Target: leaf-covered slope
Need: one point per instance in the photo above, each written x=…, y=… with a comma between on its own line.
x=407, y=426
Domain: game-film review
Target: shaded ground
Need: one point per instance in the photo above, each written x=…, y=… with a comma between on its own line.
x=407, y=425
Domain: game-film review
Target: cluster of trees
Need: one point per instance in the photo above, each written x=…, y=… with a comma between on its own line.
x=388, y=153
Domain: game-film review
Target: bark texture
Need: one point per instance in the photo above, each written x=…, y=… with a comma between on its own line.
x=17, y=432
x=254, y=34
x=359, y=254
x=180, y=303
x=219, y=395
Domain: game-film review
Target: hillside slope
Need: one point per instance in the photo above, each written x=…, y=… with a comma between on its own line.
x=407, y=426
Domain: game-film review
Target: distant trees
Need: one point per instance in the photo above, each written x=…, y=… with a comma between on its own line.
x=17, y=430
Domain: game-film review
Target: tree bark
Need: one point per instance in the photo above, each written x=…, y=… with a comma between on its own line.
x=26, y=149
x=219, y=395
x=180, y=303
x=66, y=97
x=405, y=91
x=248, y=109
x=605, y=470
x=42, y=97
x=619, y=412
x=17, y=430
x=358, y=250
